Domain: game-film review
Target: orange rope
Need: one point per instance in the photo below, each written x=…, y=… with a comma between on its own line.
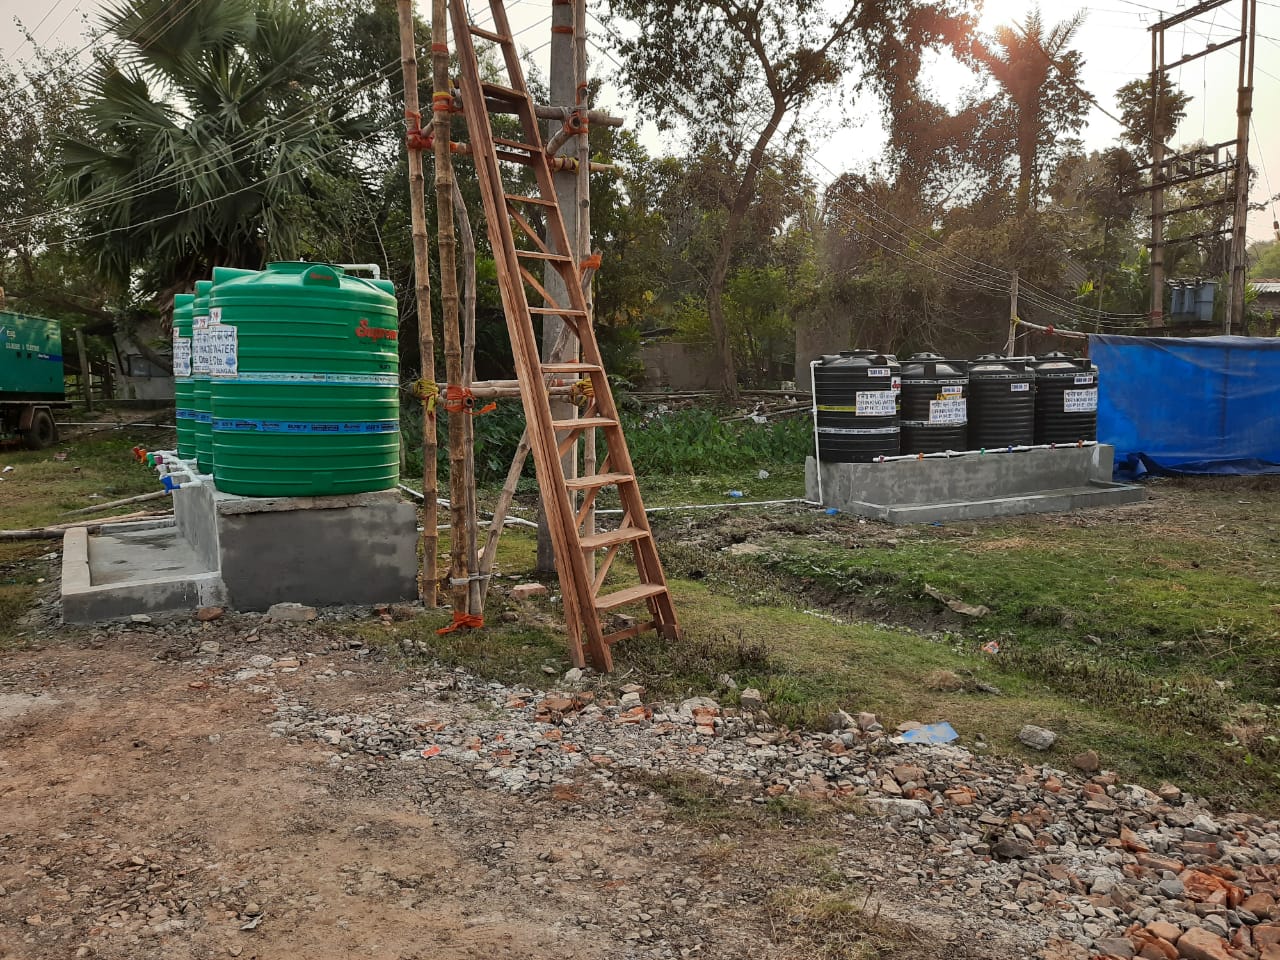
x=461, y=400
x=469, y=620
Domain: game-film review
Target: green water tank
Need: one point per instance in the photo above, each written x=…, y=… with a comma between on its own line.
x=182, y=383
x=305, y=383
x=203, y=414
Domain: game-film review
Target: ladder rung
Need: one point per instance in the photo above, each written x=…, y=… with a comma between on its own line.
x=569, y=367
x=591, y=481
x=499, y=92
x=582, y=423
x=536, y=200
x=489, y=34
x=539, y=255
x=516, y=145
x=633, y=631
x=557, y=312
x=612, y=538
x=644, y=591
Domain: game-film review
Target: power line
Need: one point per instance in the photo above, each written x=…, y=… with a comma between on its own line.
x=174, y=174
x=223, y=196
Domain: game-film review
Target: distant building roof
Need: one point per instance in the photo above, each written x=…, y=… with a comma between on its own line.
x=1266, y=286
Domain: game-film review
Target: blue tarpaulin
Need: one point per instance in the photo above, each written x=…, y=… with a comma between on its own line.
x=1189, y=406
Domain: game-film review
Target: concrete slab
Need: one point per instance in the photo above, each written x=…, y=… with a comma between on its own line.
x=118, y=573
x=973, y=486
x=247, y=553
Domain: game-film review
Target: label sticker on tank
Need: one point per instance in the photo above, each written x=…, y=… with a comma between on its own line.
x=948, y=411
x=1084, y=378
x=949, y=392
x=896, y=384
x=878, y=372
x=1019, y=387
x=200, y=322
x=1080, y=401
x=877, y=403
x=215, y=315
x=223, y=353
x=200, y=345
x=181, y=356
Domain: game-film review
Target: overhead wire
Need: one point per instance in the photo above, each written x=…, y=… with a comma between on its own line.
x=93, y=40
x=990, y=275
x=172, y=175
x=223, y=196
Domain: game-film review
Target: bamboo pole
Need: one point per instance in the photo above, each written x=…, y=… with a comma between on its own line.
x=460, y=544
x=98, y=507
x=422, y=287
x=475, y=598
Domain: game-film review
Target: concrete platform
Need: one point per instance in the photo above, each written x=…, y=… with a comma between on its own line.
x=972, y=486
x=246, y=553
x=130, y=570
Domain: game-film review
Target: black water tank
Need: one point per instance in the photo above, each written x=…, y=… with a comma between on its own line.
x=857, y=399
x=1002, y=403
x=1066, y=399
x=933, y=404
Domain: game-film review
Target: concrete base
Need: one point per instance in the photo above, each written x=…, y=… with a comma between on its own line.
x=246, y=553
x=132, y=570
x=973, y=486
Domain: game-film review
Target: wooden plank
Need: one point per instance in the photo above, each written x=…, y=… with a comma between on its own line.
x=622, y=598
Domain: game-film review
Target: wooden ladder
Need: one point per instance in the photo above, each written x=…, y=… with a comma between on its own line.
x=581, y=579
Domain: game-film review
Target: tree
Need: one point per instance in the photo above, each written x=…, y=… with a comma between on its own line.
x=733, y=72
x=208, y=138
x=1264, y=260
x=1039, y=77
x=1143, y=124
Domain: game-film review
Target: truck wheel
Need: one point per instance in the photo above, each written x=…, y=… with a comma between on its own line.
x=42, y=431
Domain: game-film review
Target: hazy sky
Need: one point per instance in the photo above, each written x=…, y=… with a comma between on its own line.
x=1114, y=40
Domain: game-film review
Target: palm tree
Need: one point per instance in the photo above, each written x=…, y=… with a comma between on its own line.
x=1039, y=76
x=208, y=137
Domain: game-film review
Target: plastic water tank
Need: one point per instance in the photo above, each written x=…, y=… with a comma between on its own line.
x=1002, y=403
x=203, y=433
x=857, y=399
x=1066, y=399
x=184, y=411
x=306, y=385
x=934, y=404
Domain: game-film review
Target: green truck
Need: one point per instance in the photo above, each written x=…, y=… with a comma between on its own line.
x=31, y=384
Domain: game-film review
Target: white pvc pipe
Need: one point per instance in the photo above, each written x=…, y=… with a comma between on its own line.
x=949, y=454
x=713, y=506
x=372, y=267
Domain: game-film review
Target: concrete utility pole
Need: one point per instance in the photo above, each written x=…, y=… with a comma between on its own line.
x=1239, y=221
x=566, y=183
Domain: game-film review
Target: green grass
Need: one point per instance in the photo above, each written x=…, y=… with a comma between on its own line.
x=1097, y=641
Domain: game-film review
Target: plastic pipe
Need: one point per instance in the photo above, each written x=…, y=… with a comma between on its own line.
x=949, y=454
x=372, y=267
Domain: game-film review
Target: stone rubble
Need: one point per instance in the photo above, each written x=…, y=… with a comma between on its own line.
x=1097, y=868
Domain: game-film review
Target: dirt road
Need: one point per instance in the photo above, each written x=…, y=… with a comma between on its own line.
x=150, y=809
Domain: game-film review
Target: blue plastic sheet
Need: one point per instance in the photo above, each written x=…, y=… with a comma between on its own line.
x=1189, y=406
